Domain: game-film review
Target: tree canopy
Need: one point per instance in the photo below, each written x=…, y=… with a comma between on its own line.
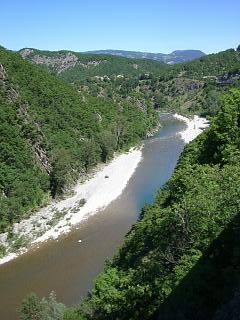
x=52, y=134
x=181, y=259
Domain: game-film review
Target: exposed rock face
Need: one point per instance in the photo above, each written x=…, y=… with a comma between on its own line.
x=26, y=52
x=12, y=94
x=187, y=85
x=2, y=72
x=22, y=113
x=59, y=62
x=141, y=105
x=38, y=150
x=92, y=64
x=4, y=239
x=41, y=156
x=228, y=78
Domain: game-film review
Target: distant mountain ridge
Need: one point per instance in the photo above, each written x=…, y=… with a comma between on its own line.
x=176, y=56
x=75, y=65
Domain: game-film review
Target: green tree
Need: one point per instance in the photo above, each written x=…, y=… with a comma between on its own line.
x=34, y=308
x=31, y=308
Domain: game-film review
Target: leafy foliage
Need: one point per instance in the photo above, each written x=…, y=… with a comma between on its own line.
x=51, y=134
x=41, y=309
x=177, y=248
x=91, y=65
x=194, y=87
x=58, y=133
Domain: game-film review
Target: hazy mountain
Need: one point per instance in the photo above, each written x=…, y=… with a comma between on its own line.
x=171, y=58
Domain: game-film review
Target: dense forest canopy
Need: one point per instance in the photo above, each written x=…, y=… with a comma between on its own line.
x=190, y=87
x=180, y=237
x=181, y=259
x=51, y=134
x=73, y=66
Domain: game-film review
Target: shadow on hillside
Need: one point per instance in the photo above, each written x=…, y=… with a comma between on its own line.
x=211, y=288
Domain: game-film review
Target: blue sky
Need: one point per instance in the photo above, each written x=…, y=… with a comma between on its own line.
x=143, y=25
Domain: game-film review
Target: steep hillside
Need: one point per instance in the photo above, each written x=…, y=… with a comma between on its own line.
x=176, y=56
x=211, y=65
x=73, y=66
x=181, y=259
x=193, y=87
x=51, y=135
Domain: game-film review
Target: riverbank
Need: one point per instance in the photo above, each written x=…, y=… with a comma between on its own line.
x=194, y=127
x=71, y=263
x=104, y=186
x=59, y=217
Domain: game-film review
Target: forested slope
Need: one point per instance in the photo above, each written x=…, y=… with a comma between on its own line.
x=190, y=87
x=181, y=259
x=73, y=66
x=51, y=134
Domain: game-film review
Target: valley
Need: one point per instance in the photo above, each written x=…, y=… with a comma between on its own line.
x=93, y=148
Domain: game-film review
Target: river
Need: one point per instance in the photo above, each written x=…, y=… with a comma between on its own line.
x=68, y=266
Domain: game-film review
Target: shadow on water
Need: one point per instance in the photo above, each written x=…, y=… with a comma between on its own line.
x=210, y=291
